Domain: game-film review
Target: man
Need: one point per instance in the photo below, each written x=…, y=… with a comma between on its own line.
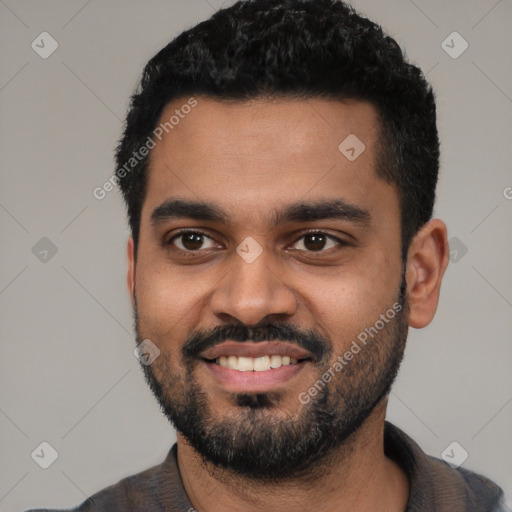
x=279, y=165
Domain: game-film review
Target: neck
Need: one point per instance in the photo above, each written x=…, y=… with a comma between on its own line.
x=358, y=478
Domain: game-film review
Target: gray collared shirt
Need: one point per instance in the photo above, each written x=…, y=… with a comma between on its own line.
x=434, y=485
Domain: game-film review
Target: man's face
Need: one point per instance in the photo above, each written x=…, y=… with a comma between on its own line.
x=310, y=280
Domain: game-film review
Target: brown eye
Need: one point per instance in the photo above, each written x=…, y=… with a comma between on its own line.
x=317, y=242
x=191, y=241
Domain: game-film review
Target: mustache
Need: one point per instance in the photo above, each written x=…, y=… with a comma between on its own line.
x=309, y=340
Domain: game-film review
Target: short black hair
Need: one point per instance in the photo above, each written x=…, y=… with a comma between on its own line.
x=297, y=49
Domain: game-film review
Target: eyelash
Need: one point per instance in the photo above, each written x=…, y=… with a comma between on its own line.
x=199, y=232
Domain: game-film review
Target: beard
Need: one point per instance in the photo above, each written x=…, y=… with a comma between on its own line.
x=261, y=440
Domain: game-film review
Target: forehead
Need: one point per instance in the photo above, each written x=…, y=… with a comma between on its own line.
x=255, y=155
x=279, y=126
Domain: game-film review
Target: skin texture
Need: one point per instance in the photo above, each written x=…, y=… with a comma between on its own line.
x=251, y=158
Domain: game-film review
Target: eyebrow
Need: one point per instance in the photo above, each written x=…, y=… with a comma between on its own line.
x=302, y=211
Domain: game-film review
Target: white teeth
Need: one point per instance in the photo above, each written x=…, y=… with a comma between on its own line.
x=245, y=364
x=232, y=363
x=275, y=362
x=262, y=363
x=257, y=364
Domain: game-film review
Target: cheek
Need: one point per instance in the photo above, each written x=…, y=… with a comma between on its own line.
x=162, y=302
x=163, y=289
x=171, y=304
x=344, y=305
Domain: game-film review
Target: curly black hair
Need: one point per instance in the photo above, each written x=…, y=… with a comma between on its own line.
x=298, y=49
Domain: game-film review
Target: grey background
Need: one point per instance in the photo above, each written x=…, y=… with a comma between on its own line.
x=68, y=374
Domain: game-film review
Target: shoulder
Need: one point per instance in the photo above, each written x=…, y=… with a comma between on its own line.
x=437, y=486
x=130, y=493
x=149, y=490
x=117, y=497
x=462, y=488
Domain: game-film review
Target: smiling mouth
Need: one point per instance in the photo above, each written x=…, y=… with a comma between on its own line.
x=255, y=364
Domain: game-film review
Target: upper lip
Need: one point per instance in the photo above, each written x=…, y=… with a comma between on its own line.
x=259, y=349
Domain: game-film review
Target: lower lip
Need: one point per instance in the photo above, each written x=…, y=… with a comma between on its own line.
x=251, y=381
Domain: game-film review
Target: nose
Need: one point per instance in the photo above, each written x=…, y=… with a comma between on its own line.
x=250, y=292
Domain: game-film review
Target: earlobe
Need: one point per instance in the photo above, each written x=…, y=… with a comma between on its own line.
x=426, y=263
x=130, y=274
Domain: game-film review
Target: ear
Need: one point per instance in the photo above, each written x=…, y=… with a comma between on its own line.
x=130, y=275
x=427, y=260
